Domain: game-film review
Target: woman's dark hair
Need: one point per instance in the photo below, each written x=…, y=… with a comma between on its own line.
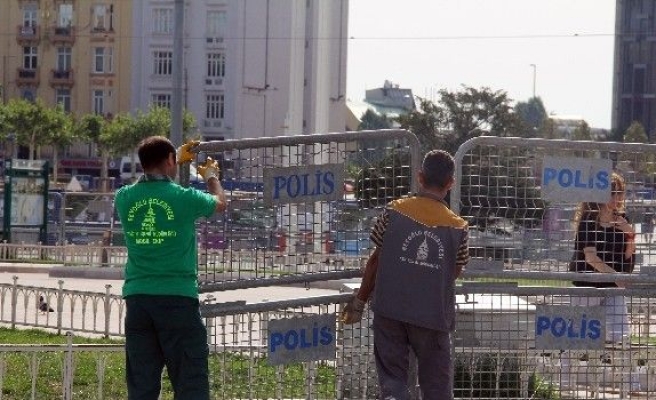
x=438, y=168
x=154, y=150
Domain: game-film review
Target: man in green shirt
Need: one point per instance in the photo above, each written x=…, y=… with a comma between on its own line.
x=163, y=324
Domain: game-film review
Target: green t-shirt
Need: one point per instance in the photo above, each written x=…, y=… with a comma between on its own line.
x=158, y=219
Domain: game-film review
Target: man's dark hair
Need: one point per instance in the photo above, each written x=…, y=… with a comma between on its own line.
x=438, y=168
x=154, y=150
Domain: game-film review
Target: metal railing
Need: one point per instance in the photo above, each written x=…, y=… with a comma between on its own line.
x=62, y=310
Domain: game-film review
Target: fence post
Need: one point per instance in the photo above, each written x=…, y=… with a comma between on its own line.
x=14, y=301
x=108, y=308
x=210, y=321
x=68, y=368
x=60, y=305
x=3, y=371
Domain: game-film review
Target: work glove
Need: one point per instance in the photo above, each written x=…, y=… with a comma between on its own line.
x=209, y=169
x=184, y=154
x=352, y=311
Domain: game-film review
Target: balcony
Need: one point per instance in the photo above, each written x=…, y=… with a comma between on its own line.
x=61, y=78
x=27, y=77
x=62, y=34
x=26, y=35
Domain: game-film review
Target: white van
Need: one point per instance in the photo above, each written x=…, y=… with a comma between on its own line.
x=125, y=170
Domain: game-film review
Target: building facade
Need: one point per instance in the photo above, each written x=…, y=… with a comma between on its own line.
x=251, y=68
x=71, y=52
x=634, y=81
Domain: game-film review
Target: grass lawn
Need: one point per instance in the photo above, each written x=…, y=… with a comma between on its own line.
x=230, y=373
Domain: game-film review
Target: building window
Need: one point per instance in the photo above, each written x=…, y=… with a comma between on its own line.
x=215, y=107
x=100, y=101
x=63, y=97
x=30, y=57
x=30, y=15
x=162, y=63
x=64, y=57
x=102, y=17
x=65, y=16
x=103, y=60
x=216, y=23
x=28, y=95
x=215, y=65
x=162, y=20
x=161, y=100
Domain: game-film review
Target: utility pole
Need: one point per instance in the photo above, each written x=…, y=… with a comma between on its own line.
x=177, y=75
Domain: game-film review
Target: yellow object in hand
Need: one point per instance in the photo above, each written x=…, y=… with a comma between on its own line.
x=209, y=169
x=184, y=154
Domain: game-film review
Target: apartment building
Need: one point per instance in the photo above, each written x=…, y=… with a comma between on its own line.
x=72, y=52
x=252, y=68
x=634, y=80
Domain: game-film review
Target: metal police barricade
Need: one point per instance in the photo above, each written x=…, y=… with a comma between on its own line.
x=300, y=207
x=520, y=196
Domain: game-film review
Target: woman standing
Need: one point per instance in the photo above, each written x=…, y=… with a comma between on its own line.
x=605, y=243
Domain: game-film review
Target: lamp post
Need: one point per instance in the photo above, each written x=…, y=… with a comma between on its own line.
x=4, y=80
x=535, y=68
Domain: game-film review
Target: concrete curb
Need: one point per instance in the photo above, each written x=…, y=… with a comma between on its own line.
x=86, y=273
x=114, y=273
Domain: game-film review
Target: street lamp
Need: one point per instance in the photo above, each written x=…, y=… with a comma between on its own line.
x=535, y=68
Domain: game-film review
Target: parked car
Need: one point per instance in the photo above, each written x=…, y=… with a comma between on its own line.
x=497, y=241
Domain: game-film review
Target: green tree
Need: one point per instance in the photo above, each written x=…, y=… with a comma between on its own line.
x=372, y=121
x=582, y=132
x=635, y=133
x=532, y=113
x=426, y=123
x=548, y=129
x=5, y=130
x=462, y=115
x=58, y=134
x=30, y=122
x=456, y=118
x=474, y=112
x=92, y=128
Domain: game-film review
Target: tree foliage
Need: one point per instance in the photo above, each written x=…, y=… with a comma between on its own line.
x=533, y=114
x=582, y=132
x=635, y=133
x=372, y=121
x=462, y=115
x=455, y=118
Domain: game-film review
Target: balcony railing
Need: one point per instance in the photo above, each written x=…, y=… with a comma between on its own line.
x=27, y=34
x=61, y=77
x=27, y=77
x=62, y=34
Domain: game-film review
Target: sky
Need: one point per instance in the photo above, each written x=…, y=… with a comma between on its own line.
x=428, y=45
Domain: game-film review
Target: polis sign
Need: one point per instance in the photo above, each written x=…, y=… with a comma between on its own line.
x=303, y=184
x=569, y=328
x=573, y=180
x=308, y=338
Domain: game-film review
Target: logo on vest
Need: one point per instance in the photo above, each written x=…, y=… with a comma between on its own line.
x=419, y=244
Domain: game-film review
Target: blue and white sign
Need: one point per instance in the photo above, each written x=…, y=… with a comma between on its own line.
x=570, y=328
x=303, y=184
x=573, y=180
x=302, y=339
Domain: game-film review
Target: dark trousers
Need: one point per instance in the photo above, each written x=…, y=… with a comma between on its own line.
x=393, y=341
x=165, y=330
